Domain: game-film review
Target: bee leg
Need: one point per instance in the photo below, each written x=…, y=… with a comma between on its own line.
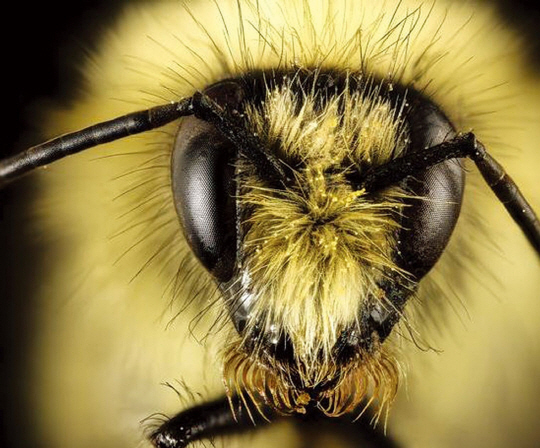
x=206, y=421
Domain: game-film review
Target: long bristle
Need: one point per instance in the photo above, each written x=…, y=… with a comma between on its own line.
x=371, y=380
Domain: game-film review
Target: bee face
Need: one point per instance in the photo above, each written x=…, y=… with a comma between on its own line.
x=317, y=276
x=314, y=269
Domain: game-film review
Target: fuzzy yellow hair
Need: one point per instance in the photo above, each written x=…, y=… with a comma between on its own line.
x=313, y=253
x=317, y=249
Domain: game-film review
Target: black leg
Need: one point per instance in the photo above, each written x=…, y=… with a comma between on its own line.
x=206, y=421
x=216, y=418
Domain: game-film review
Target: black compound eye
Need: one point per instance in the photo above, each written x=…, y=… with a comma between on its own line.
x=428, y=223
x=203, y=182
x=204, y=190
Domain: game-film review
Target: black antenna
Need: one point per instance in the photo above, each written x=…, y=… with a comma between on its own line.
x=205, y=108
x=65, y=145
x=464, y=145
x=249, y=145
x=200, y=105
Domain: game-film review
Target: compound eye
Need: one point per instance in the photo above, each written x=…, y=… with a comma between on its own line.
x=429, y=222
x=204, y=190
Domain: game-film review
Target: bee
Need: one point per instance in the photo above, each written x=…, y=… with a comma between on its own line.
x=307, y=193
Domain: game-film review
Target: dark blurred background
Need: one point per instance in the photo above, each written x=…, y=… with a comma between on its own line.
x=44, y=42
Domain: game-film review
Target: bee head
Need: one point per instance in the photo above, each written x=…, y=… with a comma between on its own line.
x=315, y=269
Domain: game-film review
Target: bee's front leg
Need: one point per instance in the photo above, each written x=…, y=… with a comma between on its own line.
x=208, y=420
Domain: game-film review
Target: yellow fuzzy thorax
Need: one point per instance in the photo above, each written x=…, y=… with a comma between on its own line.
x=314, y=253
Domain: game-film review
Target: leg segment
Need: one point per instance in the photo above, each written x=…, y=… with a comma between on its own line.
x=216, y=418
x=206, y=421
